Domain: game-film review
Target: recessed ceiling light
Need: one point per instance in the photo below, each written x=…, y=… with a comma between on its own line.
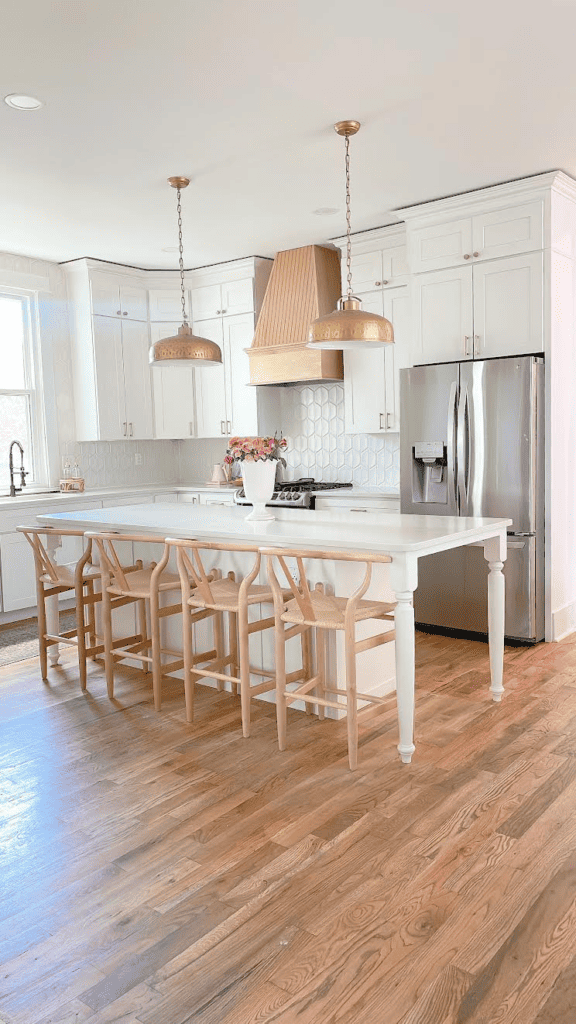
x=325, y=211
x=170, y=248
x=22, y=102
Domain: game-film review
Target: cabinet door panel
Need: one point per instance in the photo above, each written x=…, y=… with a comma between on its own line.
x=133, y=301
x=442, y=304
x=365, y=381
x=137, y=382
x=508, y=306
x=398, y=355
x=510, y=231
x=394, y=264
x=206, y=302
x=109, y=378
x=210, y=386
x=105, y=294
x=173, y=392
x=238, y=297
x=18, y=575
x=242, y=399
x=441, y=245
x=366, y=271
x=166, y=305
x=174, y=415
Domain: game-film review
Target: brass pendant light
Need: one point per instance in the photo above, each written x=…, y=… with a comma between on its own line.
x=349, y=327
x=184, y=348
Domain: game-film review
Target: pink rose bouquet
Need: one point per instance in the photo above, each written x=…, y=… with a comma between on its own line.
x=255, y=449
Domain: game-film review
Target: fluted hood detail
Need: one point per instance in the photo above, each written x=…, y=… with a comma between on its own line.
x=304, y=284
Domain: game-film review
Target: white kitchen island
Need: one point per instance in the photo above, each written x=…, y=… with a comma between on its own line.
x=406, y=538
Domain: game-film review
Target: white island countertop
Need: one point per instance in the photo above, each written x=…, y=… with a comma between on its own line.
x=406, y=538
x=325, y=530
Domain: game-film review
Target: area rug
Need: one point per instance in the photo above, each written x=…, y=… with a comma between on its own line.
x=19, y=640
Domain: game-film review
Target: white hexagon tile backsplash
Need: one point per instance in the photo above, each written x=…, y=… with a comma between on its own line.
x=313, y=424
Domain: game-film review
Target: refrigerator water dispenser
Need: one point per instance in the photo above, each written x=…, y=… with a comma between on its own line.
x=429, y=481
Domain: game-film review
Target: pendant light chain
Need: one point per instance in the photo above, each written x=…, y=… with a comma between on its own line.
x=348, y=220
x=181, y=259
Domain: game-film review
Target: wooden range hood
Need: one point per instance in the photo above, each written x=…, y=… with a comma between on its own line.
x=304, y=284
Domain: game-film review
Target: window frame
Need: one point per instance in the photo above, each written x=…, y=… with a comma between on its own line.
x=37, y=460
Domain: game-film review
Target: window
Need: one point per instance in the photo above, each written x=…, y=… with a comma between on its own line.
x=21, y=416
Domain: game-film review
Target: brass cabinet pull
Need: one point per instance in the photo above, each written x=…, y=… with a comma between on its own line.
x=466, y=255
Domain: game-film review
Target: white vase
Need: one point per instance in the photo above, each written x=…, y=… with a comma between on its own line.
x=259, y=478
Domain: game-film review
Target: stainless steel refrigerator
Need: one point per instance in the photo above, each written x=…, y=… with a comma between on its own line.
x=472, y=444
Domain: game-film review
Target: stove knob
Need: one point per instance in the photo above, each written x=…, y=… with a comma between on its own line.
x=275, y=495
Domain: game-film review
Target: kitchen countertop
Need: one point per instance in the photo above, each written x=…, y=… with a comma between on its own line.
x=47, y=497
x=326, y=530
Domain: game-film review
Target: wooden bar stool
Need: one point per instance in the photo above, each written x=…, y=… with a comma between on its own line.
x=223, y=595
x=76, y=578
x=142, y=586
x=315, y=610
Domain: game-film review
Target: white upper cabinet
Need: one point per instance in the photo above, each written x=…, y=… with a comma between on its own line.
x=226, y=299
x=443, y=316
x=226, y=404
x=441, y=245
x=166, y=304
x=174, y=401
x=111, y=373
x=508, y=231
x=137, y=380
x=121, y=387
x=495, y=308
x=371, y=377
x=509, y=306
x=381, y=268
x=118, y=296
x=211, y=385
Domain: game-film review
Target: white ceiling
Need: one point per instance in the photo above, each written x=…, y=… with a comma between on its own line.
x=241, y=95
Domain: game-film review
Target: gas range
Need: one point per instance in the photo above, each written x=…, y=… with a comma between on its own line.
x=294, y=493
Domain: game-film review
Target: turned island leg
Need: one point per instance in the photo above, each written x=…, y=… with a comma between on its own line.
x=495, y=553
x=52, y=608
x=403, y=580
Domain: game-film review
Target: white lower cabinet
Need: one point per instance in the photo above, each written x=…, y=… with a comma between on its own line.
x=18, y=576
x=216, y=499
x=371, y=378
x=173, y=392
x=17, y=569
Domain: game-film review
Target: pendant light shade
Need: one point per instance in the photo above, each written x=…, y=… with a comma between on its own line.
x=349, y=327
x=184, y=348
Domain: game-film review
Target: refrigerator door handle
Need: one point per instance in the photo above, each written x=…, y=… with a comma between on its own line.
x=463, y=450
x=450, y=459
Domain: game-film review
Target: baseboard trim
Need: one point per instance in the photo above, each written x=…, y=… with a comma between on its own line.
x=564, y=622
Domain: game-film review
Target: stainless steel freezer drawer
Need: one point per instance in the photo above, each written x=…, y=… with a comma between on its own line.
x=452, y=590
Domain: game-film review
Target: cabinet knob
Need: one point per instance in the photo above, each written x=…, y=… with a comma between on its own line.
x=466, y=255
x=384, y=282
x=475, y=253
x=118, y=312
x=223, y=310
x=378, y=284
x=125, y=313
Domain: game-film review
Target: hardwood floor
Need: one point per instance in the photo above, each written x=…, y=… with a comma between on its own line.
x=161, y=873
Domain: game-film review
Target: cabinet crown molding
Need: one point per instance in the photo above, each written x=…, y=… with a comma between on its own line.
x=386, y=237
x=489, y=198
